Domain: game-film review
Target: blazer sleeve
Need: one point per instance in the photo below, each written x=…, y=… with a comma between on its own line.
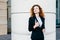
x=43, y=26
x=30, y=24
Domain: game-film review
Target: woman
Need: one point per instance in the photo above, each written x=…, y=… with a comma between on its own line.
x=37, y=23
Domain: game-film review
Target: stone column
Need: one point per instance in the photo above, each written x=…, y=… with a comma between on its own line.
x=3, y=17
x=20, y=13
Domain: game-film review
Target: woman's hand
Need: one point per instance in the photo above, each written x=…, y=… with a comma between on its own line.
x=36, y=25
x=43, y=30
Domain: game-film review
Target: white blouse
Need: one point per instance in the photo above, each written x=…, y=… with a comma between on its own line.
x=40, y=21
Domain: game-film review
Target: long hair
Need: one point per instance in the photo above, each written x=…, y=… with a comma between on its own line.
x=41, y=13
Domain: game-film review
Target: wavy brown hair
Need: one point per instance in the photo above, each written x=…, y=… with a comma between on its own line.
x=41, y=13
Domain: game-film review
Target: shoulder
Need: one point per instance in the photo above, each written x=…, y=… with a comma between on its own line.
x=31, y=17
x=43, y=18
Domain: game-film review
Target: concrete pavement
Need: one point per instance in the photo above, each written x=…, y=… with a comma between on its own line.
x=5, y=37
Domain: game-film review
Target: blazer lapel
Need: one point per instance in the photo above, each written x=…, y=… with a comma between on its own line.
x=36, y=18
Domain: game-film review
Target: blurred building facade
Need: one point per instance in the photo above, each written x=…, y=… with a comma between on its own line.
x=3, y=17
x=20, y=14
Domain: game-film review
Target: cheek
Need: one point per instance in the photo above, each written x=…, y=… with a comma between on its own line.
x=37, y=10
x=34, y=10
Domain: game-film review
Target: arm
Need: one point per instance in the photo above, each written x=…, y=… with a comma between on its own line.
x=43, y=27
x=30, y=24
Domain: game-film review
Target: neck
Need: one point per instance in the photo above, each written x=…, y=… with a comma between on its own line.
x=37, y=14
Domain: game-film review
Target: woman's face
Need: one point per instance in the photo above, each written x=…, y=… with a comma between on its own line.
x=36, y=9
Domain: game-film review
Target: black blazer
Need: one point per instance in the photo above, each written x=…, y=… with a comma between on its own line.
x=37, y=32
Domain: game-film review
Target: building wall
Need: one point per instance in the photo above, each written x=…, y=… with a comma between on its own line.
x=20, y=13
x=3, y=17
